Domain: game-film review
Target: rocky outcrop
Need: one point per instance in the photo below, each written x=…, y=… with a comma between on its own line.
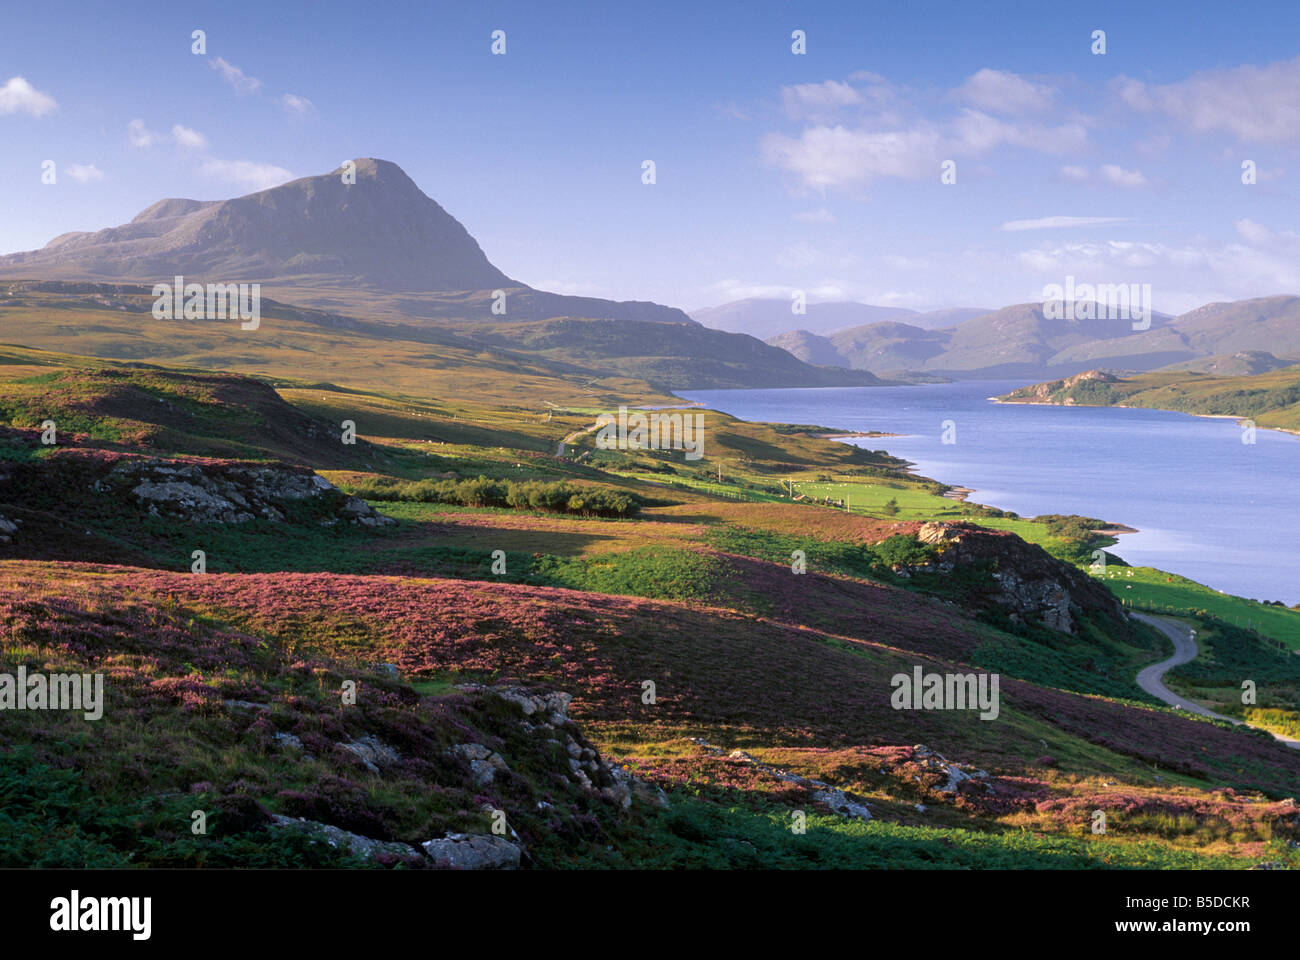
x=356, y=845
x=473, y=851
x=484, y=764
x=956, y=780
x=1027, y=581
x=372, y=752
x=232, y=493
x=547, y=713
x=838, y=801
x=455, y=851
x=1057, y=391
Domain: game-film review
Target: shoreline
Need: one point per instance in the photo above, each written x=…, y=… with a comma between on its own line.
x=854, y=433
x=961, y=494
x=1124, y=406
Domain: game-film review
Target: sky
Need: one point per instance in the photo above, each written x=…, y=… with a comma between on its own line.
x=774, y=171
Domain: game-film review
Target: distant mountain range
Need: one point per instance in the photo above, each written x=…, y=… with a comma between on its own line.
x=766, y=318
x=379, y=255
x=383, y=259
x=1024, y=341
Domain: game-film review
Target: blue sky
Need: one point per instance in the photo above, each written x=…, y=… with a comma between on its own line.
x=775, y=172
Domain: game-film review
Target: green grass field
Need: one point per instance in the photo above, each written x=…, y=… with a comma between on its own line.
x=1150, y=588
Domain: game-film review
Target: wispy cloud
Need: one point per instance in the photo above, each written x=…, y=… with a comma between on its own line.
x=85, y=172
x=831, y=156
x=1259, y=261
x=1110, y=173
x=1253, y=103
x=19, y=96
x=241, y=81
x=1002, y=92
x=297, y=106
x=804, y=98
x=245, y=173
x=1057, y=223
x=140, y=135
x=188, y=138
x=1107, y=173
x=854, y=134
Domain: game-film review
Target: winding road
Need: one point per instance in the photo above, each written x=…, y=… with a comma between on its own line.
x=1151, y=678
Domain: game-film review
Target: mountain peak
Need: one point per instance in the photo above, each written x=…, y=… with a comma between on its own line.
x=380, y=232
x=372, y=168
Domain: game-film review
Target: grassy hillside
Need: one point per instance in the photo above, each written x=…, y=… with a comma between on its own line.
x=769, y=619
x=556, y=359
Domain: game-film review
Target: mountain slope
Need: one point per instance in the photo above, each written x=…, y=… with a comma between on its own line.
x=809, y=347
x=381, y=231
x=763, y=318
x=1019, y=340
x=378, y=242
x=1270, y=324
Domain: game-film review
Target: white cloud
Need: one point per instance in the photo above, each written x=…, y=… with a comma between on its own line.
x=1257, y=104
x=189, y=139
x=1004, y=92
x=975, y=132
x=241, y=81
x=804, y=98
x=1120, y=177
x=1260, y=236
x=297, y=106
x=258, y=176
x=821, y=215
x=140, y=135
x=834, y=156
x=85, y=172
x=828, y=156
x=1055, y=223
x=19, y=96
x=1264, y=262
x=1110, y=173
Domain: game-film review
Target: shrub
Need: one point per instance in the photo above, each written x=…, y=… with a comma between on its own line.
x=544, y=496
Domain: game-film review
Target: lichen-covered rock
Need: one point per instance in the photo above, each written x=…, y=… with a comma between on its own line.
x=230, y=492
x=473, y=851
x=374, y=753
x=358, y=846
x=484, y=764
x=1028, y=582
x=837, y=800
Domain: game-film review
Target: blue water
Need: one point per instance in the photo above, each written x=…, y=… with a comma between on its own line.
x=1206, y=505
